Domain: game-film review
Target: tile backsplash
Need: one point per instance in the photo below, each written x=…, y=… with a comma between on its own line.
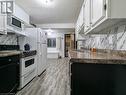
x=114, y=39
x=8, y=40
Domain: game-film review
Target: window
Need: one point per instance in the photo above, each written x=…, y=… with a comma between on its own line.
x=51, y=42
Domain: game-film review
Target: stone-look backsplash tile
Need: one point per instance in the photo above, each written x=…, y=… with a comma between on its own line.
x=8, y=40
x=115, y=39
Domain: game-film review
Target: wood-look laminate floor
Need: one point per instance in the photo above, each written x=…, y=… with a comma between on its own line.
x=54, y=82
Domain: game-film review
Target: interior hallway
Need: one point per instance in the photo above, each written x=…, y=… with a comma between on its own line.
x=55, y=81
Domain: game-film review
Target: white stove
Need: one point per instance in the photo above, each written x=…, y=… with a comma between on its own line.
x=27, y=67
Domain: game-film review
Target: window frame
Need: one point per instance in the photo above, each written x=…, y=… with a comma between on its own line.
x=52, y=42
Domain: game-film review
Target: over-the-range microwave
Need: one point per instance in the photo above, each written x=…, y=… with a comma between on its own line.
x=14, y=22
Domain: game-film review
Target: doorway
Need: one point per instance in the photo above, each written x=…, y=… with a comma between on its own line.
x=69, y=43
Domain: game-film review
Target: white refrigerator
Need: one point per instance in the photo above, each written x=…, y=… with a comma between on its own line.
x=37, y=38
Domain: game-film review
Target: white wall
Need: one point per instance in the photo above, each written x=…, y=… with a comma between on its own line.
x=57, y=25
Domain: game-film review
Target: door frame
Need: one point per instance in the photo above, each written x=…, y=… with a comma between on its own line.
x=65, y=44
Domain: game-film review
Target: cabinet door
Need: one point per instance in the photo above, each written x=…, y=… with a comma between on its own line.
x=21, y=14
x=87, y=14
x=77, y=24
x=44, y=56
x=97, y=10
x=81, y=21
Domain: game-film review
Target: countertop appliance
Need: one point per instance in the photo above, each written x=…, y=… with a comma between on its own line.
x=37, y=39
x=9, y=71
x=14, y=22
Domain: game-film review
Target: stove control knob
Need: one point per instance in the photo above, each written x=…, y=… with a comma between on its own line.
x=10, y=60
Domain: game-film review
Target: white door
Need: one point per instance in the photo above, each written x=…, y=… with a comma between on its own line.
x=39, y=64
x=44, y=56
x=87, y=14
x=39, y=59
x=44, y=37
x=41, y=36
x=39, y=33
x=97, y=11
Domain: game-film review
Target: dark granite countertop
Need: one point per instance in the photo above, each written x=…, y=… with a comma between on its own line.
x=86, y=56
x=9, y=53
x=22, y=54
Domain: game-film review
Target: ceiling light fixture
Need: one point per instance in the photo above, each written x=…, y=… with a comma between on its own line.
x=49, y=32
x=47, y=2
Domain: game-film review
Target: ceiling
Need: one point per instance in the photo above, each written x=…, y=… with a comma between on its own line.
x=62, y=11
x=65, y=31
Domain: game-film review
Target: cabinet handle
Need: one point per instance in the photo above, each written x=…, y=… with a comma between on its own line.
x=105, y=7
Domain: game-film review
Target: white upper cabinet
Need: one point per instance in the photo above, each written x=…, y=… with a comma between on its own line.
x=87, y=9
x=79, y=27
x=80, y=20
x=21, y=14
x=98, y=9
x=81, y=17
x=101, y=14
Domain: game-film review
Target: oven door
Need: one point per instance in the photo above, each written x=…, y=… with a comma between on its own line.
x=9, y=80
x=27, y=65
x=9, y=74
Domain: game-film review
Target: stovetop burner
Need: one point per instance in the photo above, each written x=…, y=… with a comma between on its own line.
x=28, y=53
x=9, y=47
